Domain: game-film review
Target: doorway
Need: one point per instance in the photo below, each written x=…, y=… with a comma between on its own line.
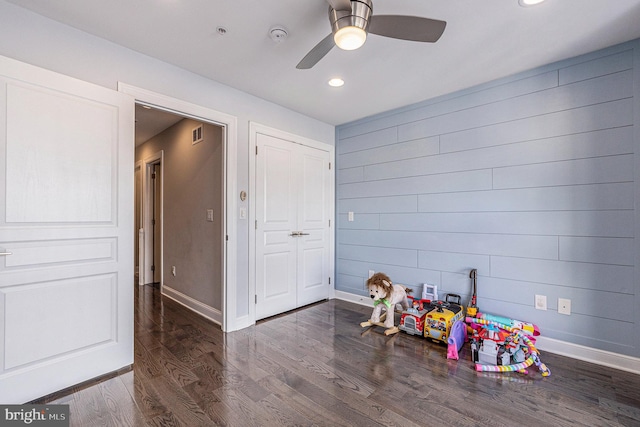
x=184, y=205
x=224, y=312
x=156, y=222
x=149, y=206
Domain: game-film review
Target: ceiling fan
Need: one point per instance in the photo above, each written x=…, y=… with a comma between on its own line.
x=351, y=20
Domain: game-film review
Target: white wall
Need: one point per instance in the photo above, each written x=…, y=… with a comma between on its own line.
x=36, y=40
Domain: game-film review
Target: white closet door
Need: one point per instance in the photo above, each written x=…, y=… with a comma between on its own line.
x=276, y=216
x=66, y=231
x=292, y=215
x=313, y=222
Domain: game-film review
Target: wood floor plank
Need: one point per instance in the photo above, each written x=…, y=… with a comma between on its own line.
x=89, y=408
x=122, y=408
x=301, y=404
x=177, y=402
x=179, y=371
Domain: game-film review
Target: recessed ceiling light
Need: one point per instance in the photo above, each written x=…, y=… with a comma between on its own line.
x=336, y=82
x=526, y=3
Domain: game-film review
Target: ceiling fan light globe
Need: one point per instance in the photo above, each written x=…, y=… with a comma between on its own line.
x=350, y=38
x=526, y=3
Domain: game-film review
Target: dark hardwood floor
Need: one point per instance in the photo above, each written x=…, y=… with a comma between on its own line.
x=317, y=366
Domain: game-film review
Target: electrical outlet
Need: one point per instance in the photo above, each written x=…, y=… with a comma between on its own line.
x=541, y=302
x=564, y=306
x=371, y=273
x=350, y=215
x=173, y=270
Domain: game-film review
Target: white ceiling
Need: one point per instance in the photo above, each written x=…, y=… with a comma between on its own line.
x=484, y=40
x=150, y=122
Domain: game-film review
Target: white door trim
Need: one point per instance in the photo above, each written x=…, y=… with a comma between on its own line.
x=229, y=126
x=254, y=130
x=139, y=233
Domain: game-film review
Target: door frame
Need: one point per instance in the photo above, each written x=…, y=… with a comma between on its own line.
x=147, y=216
x=254, y=130
x=138, y=232
x=229, y=125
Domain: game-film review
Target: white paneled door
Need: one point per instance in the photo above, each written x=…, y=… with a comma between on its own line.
x=66, y=231
x=293, y=209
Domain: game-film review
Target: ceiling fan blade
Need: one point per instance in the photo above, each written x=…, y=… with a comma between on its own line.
x=340, y=4
x=317, y=53
x=403, y=27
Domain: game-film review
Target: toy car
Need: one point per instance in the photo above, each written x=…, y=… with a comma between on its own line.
x=412, y=319
x=439, y=320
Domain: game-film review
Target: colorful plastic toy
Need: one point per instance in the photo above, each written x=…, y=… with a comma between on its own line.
x=518, y=341
x=412, y=319
x=528, y=328
x=472, y=308
x=441, y=318
x=457, y=338
x=430, y=292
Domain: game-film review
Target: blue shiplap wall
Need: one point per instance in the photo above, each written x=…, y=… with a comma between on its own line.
x=529, y=179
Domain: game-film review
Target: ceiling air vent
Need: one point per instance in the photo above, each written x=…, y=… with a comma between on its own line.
x=196, y=135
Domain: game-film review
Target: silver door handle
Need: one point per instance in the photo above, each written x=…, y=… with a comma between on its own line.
x=5, y=253
x=294, y=234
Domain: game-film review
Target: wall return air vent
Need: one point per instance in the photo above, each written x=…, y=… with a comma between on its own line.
x=196, y=135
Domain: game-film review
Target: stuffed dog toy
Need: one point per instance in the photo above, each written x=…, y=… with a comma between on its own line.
x=386, y=295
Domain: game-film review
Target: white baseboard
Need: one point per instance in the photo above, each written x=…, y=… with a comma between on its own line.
x=193, y=304
x=563, y=348
x=589, y=354
x=358, y=299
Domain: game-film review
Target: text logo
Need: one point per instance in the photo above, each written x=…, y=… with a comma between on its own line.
x=34, y=415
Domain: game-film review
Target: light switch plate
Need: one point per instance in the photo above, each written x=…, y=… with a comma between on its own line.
x=541, y=302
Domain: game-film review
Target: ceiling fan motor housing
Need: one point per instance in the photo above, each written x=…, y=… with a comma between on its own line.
x=358, y=16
